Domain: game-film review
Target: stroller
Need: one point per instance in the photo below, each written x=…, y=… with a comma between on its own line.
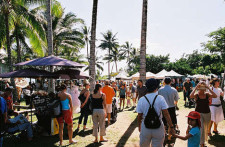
x=114, y=110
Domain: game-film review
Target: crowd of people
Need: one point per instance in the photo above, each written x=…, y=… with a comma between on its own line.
x=162, y=97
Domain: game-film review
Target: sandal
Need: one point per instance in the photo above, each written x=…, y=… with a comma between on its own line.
x=216, y=132
x=209, y=134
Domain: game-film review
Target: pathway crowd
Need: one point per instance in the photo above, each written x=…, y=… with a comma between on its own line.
x=155, y=104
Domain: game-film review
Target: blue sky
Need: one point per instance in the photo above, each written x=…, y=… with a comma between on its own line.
x=174, y=26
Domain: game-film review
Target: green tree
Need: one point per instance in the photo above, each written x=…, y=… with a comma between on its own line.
x=109, y=43
x=126, y=50
x=217, y=43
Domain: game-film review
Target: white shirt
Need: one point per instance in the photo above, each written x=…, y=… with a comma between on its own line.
x=143, y=105
x=217, y=91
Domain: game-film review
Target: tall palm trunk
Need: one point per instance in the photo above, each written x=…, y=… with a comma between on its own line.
x=87, y=49
x=143, y=41
x=51, y=85
x=9, y=54
x=49, y=29
x=109, y=67
x=8, y=42
x=18, y=49
x=92, y=48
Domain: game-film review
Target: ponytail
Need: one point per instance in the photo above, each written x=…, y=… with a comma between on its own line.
x=97, y=86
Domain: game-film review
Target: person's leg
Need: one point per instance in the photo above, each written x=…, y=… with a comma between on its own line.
x=95, y=125
x=145, y=136
x=80, y=120
x=102, y=124
x=85, y=121
x=1, y=141
x=184, y=93
x=209, y=130
x=109, y=117
x=207, y=121
x=158, y=137
x=120, y=102
x=61, y=125
x=29, y=131
x=202, y=139
x=215, y=127
x=70, y=132
x=123, y=102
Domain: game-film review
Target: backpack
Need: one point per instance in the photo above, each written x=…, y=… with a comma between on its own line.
x=2, y=121
x=152, y=119
x=55, y=108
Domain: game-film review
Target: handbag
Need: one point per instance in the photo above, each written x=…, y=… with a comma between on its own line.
x=54, y=126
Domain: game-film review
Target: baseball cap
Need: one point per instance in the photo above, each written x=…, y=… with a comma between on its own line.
x=195, y=115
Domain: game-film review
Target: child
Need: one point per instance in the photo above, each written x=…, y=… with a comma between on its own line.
x=193, y=130
x=122, y=95
x=128, y=94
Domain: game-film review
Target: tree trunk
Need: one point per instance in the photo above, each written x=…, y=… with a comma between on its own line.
x=18, y=49
x=92, y=48
x=116, y=66
x=9, y=55
x=8, y=42
x=51, y=85
x=87, y=50
x=109, y=76
x=143, y=41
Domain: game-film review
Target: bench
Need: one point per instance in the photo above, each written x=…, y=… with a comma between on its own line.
x=25, y=111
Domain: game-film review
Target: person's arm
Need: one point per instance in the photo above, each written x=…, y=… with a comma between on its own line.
x=183, y=137
x=104, y=104
x=71, y=104
x=87, y=97
x=140, y=118
x=192, y=95
x=167, y=116
x=184, y=88
x=212, y=94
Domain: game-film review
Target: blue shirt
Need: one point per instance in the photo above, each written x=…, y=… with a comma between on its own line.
x=170, y=94
x=194, y=141
x=3, y=106
x=122, y=91
x=193, y=83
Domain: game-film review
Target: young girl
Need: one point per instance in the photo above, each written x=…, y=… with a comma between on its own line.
x=128, y=94
x=193, y=130
x=122, y=96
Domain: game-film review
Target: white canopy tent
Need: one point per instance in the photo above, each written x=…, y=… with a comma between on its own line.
x=148, y=76
x=171, y=73
x=122, y=76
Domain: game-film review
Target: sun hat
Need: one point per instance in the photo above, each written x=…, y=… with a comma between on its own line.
x=195, y=115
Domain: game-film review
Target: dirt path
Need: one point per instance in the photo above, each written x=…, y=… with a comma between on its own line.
x=124, y=132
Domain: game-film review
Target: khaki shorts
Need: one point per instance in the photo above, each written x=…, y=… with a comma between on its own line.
x=108, y=108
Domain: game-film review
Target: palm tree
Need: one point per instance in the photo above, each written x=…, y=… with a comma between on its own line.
x=86, y=33
x=114, y=56
x=65, y=35
x=109, y=43
x=93, y=40
x=49, y=27
x=143, y=41
x=98, y=63
x=126, y=50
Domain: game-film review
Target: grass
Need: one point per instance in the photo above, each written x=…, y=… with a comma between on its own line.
x=123, y=132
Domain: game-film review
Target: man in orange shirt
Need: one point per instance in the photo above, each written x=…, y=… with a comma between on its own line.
x=109, y=93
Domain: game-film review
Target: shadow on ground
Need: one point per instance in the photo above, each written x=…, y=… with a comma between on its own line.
x=127, y=134
x=217, y=140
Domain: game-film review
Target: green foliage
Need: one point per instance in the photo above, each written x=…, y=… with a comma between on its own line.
x=217, y=43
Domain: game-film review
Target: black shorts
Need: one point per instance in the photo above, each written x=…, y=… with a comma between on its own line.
x=173, y=116
x=122, y=96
